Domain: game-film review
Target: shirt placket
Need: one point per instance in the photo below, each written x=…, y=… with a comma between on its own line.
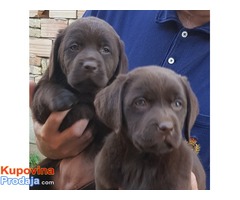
x=171, y=58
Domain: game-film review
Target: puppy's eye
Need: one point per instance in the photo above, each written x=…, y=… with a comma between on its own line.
x=140, y=102
x=177, y=104
x=74, y=47
x=105, y=50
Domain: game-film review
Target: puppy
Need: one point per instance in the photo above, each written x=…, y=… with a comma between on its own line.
x=148, y=109
x=86, y=57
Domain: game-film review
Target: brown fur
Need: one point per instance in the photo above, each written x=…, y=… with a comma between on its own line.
x=148, y=109
x=86, y=57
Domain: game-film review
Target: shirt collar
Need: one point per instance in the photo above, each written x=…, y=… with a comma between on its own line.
x=171, y=15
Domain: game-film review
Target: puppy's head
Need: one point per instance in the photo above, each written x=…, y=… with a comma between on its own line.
x=87, y=50
x=151, y=105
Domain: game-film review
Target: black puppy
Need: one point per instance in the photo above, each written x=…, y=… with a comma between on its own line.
x=86, y=57
x=148, y=108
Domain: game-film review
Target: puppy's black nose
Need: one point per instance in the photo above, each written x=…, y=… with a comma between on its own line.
x=166, y=126
x=90, y=66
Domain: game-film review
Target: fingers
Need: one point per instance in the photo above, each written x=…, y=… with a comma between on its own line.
x=79, y=127
x=74, y=147
x=47, y=135
x=58, y=145
x=87, y=138
x=54, y=144
x=75, y=138
x=53, y=123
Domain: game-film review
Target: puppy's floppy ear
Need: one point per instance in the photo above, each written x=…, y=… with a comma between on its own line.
x=122, y=66
x=108, y=103
x=123, y=61
x=192, y=108
x=55, y=69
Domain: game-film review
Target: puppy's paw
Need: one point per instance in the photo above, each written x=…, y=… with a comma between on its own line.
x=63, y=100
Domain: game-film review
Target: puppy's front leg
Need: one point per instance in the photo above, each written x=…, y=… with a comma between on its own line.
x=50, y=97
x=59, y=98
x=100, y=173
x=106, y=175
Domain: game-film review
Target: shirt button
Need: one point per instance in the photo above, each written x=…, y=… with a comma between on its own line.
x=171, y=60
x=184, y=34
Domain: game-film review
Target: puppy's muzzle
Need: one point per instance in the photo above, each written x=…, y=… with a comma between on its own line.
x=90, y=66
x=166, y=127
x=158, y=137
x=169, y=134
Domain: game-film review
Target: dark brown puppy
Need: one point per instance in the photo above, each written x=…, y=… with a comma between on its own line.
x=86, y=57
x=148, y=109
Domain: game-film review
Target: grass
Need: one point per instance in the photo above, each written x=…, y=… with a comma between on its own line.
x=34, y=159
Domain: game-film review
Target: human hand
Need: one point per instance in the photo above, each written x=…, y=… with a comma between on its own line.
x=194, y=182
x=56, y=145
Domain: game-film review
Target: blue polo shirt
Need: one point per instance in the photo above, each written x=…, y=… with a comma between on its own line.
x=158, y=38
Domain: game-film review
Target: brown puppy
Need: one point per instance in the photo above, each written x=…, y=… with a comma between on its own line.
x=86, y=57
x=148, y=109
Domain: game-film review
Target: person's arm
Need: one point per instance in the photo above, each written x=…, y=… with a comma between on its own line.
x=56, y=145
x=194, y=181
